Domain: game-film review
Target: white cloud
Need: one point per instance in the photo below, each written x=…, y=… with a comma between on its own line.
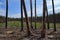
x=56, y=5
x=2, y=12
x=56, y=2
x=49, y=3
x=39, y=9
x=17, y=15
x=56, y=8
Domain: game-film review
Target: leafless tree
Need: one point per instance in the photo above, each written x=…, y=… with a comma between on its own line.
x=6, y=13
x=54, y=20
x=31, y=13
x=43, y=31
x=27, y=21
x=21, y=17
x=35, y=14
x=47, y=18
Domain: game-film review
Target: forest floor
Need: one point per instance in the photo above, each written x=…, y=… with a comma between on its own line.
x=15, y=34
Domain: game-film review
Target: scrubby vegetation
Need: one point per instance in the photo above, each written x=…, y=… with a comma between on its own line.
x=16, y=22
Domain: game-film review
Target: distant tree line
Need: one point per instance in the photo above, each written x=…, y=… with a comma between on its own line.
x=38, y=19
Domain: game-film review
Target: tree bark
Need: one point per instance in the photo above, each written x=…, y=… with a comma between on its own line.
x=31, y=13
x=35, y=14
x=27, y=21
x=54, y=20
x=43, y=31
x=47, y=17
x=21, y=17
x=6, y=13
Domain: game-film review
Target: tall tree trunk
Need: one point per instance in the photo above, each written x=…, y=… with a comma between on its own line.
x=35, y=14
x=6, y=13
x=43, y=31
x=27, y=21
x=21, y=17
x=54, y=15
x=31, y=13
x=47, y=17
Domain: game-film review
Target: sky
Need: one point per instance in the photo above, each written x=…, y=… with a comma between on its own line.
x=14, y=9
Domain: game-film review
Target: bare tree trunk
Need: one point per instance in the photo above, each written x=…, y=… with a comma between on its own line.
x=6, y=13
x=47, y=17
x=27, y=21
x=35, y=14
x=31, y=13
x=54, y=16
x=43, y=31
x=21, y=17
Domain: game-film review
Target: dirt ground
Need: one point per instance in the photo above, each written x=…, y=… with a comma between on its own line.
x=15, y=34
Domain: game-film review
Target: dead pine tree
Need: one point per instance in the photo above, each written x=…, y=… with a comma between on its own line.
x=35, y=14
x=47, y=18
x=21, y=16
x=54, y=20
x=6, y=19
x=27, y=21
x=43, y=31
x=31, y=13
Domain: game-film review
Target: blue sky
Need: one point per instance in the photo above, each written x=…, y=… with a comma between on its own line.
x=14, y=7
